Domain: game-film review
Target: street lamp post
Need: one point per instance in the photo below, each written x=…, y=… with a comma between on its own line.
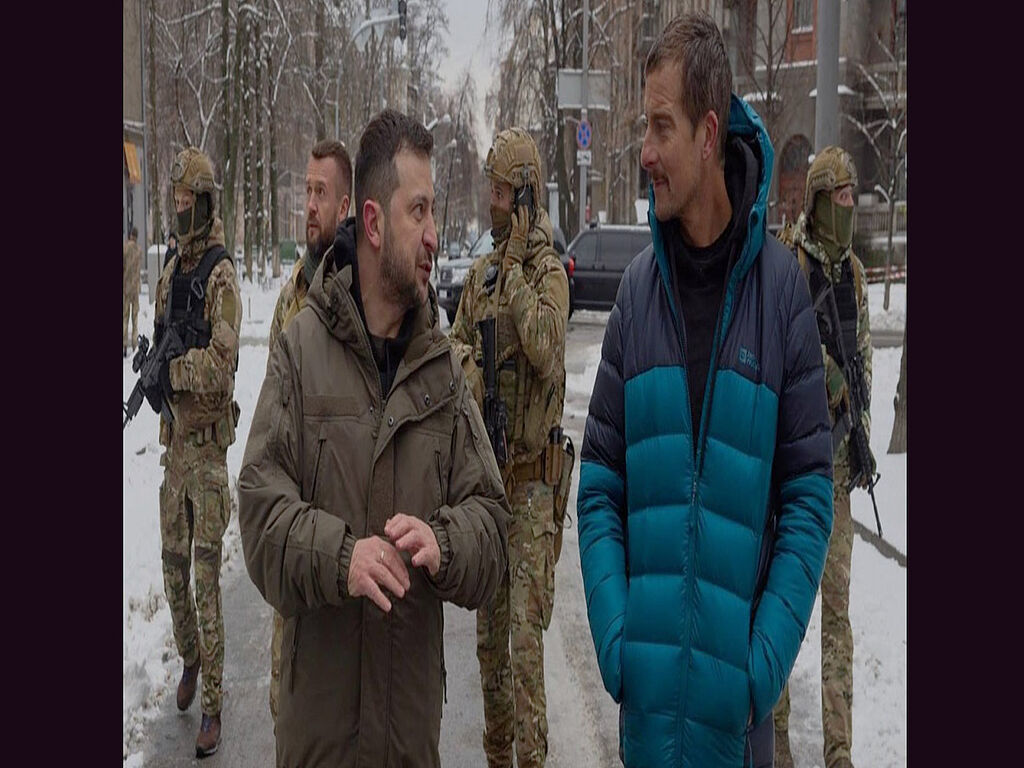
x=400, y=15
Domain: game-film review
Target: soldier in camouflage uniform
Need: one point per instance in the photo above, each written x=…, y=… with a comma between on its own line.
x=130, y=261
x=824, y=232
x=198, y=386
x=328, y=185
x=524, y=286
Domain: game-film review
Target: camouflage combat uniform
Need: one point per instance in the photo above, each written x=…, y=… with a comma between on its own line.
x=836, y=633
x=291, y=299
x=130, y=276
x=194, y=498
x=531, y=303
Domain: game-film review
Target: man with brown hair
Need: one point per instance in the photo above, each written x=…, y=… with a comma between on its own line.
x=368, y=493
x=703, y=528
x=328, y=184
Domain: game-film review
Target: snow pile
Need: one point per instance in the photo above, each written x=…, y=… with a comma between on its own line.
x=896, y=318
x=151, y=666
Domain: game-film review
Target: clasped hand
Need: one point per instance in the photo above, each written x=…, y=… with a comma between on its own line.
x=376, y=563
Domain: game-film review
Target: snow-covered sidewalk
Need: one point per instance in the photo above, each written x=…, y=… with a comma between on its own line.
x=878, y=599
x=151, y=665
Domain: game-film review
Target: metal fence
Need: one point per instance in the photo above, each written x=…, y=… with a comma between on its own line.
x=874, y=219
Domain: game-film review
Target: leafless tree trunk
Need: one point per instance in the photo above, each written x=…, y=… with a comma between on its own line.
x=152, y=159
x=272, y=123
x=320, y=88
x=257, y=147
x=229, y=127
x=246, y=21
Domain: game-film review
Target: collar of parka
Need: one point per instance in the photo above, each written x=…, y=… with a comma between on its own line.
x=335, y=298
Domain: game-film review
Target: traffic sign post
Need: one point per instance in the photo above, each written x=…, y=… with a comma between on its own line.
x=583, y=134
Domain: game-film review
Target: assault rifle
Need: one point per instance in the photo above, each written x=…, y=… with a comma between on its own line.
x=147, y=363
x=849, y=414
x=495, y=413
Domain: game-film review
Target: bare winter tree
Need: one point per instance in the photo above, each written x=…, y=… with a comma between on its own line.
x=883, y=123
x=154, y=183
x=233, y=77
x=535, y=35
x=761, y=31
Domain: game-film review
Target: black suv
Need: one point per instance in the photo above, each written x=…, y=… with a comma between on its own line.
x=596, y=259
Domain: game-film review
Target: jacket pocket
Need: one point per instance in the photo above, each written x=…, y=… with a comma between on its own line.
x=321, y=439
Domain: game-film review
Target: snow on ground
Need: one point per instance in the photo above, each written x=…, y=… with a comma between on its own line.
x=878, y=608
x=896, y=318
x=151, y=666
x=878, y=592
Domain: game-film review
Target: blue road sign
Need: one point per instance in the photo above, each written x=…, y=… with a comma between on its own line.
x=583, y=134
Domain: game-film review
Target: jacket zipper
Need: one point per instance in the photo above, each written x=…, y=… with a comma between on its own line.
x=316, y=468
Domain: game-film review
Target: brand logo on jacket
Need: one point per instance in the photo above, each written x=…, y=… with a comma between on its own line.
x=747, y=358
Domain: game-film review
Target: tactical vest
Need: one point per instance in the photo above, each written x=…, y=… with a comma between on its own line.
x=848, y=293
x=534, y=404
x=186, y=301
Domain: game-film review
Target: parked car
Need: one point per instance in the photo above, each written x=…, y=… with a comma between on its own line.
x=595, y=261
x=452, y=274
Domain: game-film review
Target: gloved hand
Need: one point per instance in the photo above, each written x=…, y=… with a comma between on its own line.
x=519, y=231
x=835, y=383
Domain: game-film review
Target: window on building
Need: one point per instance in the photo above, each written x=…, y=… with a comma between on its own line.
x=803, y=15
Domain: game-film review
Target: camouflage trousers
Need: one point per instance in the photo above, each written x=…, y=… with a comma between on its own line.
x=515, y=706
x=130, y=308
x=836, y=634
x=275, y=665
x=195, y=504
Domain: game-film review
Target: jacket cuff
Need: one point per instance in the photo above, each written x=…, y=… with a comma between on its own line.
x=348, y=543
x=445, y=545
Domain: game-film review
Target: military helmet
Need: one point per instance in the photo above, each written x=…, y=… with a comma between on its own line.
x=514, y=159
x=193, y=170
x=832, y=168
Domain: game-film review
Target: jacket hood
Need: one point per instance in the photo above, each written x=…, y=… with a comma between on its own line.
x=337, y=279
x=745, y=126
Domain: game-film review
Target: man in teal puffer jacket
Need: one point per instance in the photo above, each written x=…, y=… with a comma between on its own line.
x=705, y=496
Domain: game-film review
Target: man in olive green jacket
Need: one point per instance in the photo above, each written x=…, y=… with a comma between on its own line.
x=368, y=492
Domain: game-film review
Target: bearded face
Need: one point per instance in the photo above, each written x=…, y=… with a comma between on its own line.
x=398, y=273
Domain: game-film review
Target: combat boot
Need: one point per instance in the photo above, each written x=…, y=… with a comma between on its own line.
x=209, y=735
x=187, y=686
x=783, y=755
